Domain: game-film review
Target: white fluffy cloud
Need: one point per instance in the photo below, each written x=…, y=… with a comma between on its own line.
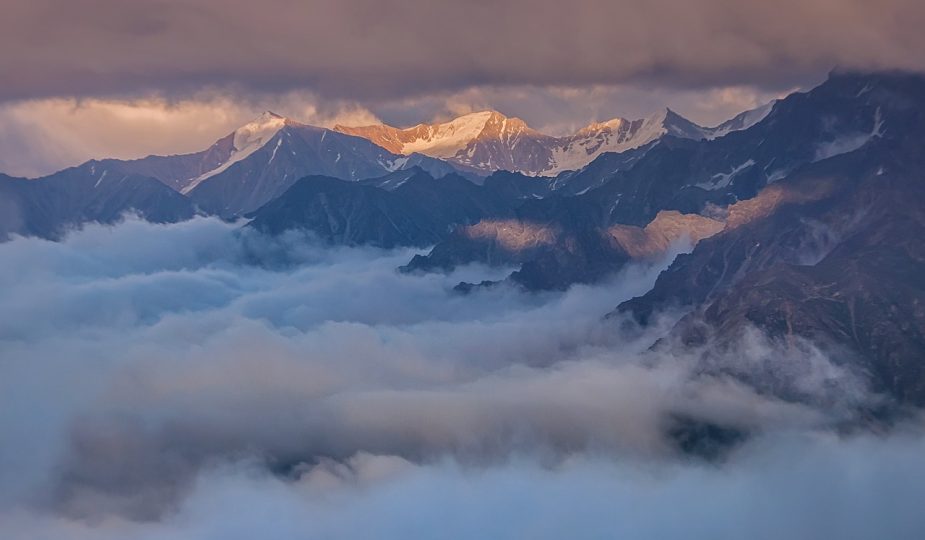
x=197, y=381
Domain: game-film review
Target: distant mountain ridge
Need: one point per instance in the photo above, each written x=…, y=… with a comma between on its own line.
x=275, y=152
x=488, y=141
x=257, y=162
x=48, y=207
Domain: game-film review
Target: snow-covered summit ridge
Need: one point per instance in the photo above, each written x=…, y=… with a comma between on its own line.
x=247, y=139
x=486, y=141
x=446, y=139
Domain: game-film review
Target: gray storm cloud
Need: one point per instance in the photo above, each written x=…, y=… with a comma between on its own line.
x=793, y=487
x=196, y=381
x=370, y=49
x=107, y=78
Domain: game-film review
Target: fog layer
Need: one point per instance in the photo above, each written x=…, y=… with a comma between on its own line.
x=199, y=381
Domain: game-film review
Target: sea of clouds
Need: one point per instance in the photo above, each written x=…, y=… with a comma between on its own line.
x=197, y=380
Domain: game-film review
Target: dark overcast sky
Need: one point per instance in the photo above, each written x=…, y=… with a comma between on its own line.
x=374, y=49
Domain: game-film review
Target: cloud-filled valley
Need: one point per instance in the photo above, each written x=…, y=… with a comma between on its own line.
x=196, y=380
x=509, y=269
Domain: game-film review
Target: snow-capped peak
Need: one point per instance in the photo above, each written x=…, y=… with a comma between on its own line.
x=657, y=124
x=743, y=120
x=258, y=130
x=269, y=115
x=488, y=140
x=666, y=121
x=447, y=139
x=247, y=139
x=597, y=127
x=616, y=135
x=442, y=139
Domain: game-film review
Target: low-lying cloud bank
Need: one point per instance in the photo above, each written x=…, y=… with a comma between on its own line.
x=197, y=381
x=793, y=488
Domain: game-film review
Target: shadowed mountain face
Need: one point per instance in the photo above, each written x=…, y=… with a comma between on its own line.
x=291, y=153
x=259, y=161
x=49, y=206
x=410, y=208
x=833, y=254
x=836, y=255
x=175, y=171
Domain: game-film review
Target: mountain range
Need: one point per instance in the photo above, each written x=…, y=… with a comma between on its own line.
x=487, y=141
x=804, y=219
x=807, y=226
x=48, y=207
x=259, y=161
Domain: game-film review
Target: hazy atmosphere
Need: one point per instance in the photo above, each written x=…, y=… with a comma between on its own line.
x=348, y=269
x=182, y=373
